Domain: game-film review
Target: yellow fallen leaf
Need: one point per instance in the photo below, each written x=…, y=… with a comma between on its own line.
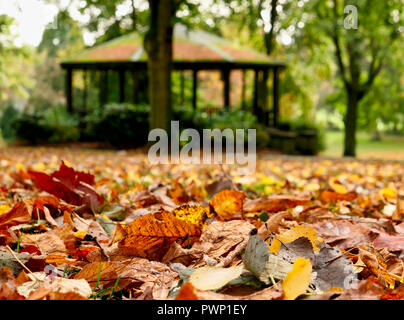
x=19, y=166
x=337, y=186
x=388, y=193
x=196, y=214
x=212, y=278
x=298, y=279
x=4, y=208
x=295, y=233
x=39, y=166
x=80, y=234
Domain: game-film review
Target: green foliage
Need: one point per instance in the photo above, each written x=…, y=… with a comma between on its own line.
x=119, y=124
x=222, y=119
x=50, y=125
x=15, y=65
x=6, y=123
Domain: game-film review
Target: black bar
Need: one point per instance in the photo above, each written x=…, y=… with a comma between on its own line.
x=122, y=85
x=276, y=97
x=69, y=91
x=226, y=88
x=194, y=88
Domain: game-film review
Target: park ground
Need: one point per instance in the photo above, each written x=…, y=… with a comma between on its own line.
x=388, y=148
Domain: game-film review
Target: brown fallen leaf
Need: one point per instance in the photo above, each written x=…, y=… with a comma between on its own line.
x=151, y=235
x=188, y=292
x=20, y=213
x=219, y=242
x=392, y=242
x=62, y=289
x=368, y=289
x=344, y=234
x=8, y=286
x=56, y=241
x=222, y=183
x=132, y=272
x=383, y=264
x=273, y=224
x=274, y=203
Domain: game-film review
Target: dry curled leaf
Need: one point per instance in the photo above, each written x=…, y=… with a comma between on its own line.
x=219, y=242
x=151, y=235
x=274, y=203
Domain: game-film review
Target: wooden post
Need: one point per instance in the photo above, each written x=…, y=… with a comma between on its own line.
x=243, y=87
x=194, y=88
x=103, y=93
x=85, y=90
x=121, y=85
x=255, y=100
x=69, y=90
x=264, y=97
x=226, y=88
x=135, y=87
x=275, y=97
x=182, y=88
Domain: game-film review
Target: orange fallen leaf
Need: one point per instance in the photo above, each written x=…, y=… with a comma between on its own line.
x=331, y=196
x=187, y=292
x=151, y=235
x=227, y=203
x=20, y=213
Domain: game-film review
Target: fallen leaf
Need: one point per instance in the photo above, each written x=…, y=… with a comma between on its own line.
x=219, y=242
x=213, y=278
x=298, y=279
x=20, y=213
x=344, y=234
x=274, y=203
x=227, y=203
x=332, y=197
x=296, y=233
x=151, y=235
x=264, y=265
x=188, y=292
x=72, y=186
x=195, y=214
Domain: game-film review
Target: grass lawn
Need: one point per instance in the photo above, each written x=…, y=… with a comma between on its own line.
x=390, y=147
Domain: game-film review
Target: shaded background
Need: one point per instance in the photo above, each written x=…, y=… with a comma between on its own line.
x=337, y=78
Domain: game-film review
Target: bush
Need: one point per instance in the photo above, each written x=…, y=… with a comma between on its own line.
x=121, y=125
x=222, y=119
x=10, y=114
x=51, y=125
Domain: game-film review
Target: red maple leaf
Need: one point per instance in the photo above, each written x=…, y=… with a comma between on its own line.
x=74, y=187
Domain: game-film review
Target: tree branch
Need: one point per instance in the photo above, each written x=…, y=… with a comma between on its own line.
x=338, y=50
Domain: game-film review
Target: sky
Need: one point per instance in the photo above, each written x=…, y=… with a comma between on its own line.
x=32, y=16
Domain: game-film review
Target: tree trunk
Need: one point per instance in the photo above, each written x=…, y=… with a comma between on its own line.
x=158, y=45
x=133, y=16
x=350, y=124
